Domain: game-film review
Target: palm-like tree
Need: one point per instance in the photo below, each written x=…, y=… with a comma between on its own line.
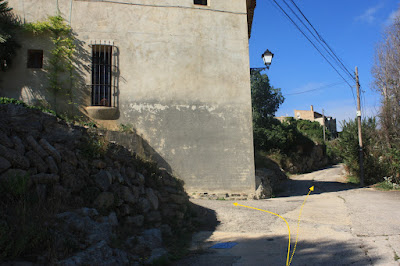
x=8, y=25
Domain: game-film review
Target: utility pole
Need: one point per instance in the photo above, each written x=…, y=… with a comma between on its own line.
x=359, y=130
x=323, y=122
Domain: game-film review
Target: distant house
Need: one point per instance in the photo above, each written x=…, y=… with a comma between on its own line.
x=177, y=70
x=311, y=115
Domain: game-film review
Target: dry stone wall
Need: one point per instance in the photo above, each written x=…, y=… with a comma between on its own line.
x=107, y=205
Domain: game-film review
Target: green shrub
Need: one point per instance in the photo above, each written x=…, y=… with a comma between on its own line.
x=348, y=148
x=5, y=100
x=274, y=135
x=332, y=151
x=313, y=130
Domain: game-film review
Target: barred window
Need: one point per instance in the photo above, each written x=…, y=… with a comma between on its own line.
x=102, y=60
x=200, y=2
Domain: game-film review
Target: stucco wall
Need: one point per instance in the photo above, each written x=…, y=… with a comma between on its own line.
x=183, y=80
x=303, y=114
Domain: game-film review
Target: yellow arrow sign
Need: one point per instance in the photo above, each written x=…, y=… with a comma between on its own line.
x=298, y=223
x=287, y=224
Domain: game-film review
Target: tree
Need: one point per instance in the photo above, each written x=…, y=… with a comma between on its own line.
x=265, y=98
x=8, y=44
x=265, y=102
x=386, y=72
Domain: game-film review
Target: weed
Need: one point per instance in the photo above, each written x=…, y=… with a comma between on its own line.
x=221, y=198
x=94, y=147
x=353, y=179
x=396, y=257
x=385, y=185
x=127, y=128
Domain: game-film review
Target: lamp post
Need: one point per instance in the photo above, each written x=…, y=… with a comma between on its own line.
x=267, y=59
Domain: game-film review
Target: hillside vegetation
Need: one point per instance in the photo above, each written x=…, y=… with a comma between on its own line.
x=296, y=145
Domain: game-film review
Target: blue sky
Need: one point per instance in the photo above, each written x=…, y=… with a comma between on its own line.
x=352, y=28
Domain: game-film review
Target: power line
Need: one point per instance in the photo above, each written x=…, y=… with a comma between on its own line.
x=320, y=88
x=315, y=46
x=322, y=39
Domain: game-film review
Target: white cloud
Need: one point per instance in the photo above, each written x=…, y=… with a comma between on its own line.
x=392, y=17
x=369, y=14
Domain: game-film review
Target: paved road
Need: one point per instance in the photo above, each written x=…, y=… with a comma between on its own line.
x=340, y=225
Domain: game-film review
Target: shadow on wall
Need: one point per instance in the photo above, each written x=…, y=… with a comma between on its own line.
x=273, y=251
x=76, y=89
x=134, y=142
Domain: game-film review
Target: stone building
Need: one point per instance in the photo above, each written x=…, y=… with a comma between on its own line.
x=311, y=115
x=177, y=70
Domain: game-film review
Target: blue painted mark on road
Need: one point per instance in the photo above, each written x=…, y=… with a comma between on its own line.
x=224, y=245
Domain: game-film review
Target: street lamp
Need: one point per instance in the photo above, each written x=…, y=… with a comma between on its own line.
x=267, y=59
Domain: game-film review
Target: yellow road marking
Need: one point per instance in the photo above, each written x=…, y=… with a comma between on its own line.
x=287, y=224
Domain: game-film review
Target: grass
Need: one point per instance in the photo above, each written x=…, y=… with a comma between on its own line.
x=384, y=185
x=353, y=180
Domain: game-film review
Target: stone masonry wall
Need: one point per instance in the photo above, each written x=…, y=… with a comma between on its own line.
x=107, y=205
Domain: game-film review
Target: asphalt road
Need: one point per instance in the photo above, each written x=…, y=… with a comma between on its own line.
x=340, y=225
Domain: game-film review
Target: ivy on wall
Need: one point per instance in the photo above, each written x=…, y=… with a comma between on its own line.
x=60, y=68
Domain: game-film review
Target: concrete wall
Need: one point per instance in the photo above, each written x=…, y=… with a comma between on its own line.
x=183, y=79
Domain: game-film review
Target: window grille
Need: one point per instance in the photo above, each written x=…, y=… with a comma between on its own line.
x=102, y=74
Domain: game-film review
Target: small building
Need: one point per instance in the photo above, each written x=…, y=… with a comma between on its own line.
x=311, y=115
x=177, y=70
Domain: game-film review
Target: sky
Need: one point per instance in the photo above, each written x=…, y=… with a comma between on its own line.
x=352, y=28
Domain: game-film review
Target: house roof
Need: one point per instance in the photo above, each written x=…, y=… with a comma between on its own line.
x=251, y=5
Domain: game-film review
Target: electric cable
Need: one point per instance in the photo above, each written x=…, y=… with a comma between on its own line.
x=322, y=39
x=319, y=39
x=313, y=44
x=320, y=88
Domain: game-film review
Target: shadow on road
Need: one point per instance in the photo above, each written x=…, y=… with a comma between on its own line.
x=301, y=184
x=291, y=188
x=273, y=251
x=206, y=219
